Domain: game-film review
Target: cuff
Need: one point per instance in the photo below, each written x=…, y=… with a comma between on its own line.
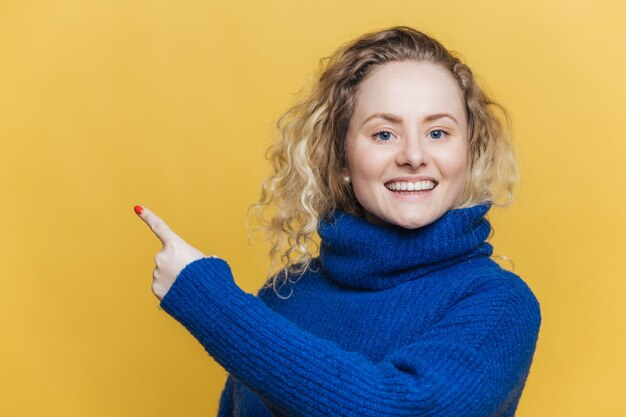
x=199, y=290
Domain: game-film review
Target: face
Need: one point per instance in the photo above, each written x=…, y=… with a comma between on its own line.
x=406, y=147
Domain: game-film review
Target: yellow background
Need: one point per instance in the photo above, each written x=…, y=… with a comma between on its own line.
x=171, y=104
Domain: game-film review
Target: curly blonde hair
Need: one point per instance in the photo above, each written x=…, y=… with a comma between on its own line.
x=307, y=184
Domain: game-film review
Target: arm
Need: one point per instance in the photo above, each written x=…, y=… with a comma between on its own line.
x=226, y=399
x=467, y=365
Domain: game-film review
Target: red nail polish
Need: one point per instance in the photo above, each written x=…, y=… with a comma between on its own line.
x=138, y=209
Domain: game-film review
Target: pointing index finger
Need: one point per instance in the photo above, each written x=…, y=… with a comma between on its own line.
x=156, y=224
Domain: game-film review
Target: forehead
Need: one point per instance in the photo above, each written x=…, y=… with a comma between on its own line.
x=410, y=90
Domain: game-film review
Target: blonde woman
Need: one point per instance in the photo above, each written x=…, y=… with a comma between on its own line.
x=393, y=159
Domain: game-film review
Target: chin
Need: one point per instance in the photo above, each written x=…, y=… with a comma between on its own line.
x=414, y=222
x=407, y=221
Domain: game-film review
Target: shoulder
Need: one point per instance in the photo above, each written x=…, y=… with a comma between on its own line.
x=511, y=285
x=487, y=274
x=496, y=308
x=282, y=284
x=485, y=285
x=507, y=291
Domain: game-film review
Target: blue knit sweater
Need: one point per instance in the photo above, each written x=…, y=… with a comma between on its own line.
x=393, y=322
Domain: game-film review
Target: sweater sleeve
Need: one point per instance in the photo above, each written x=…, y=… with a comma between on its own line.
x=225, y=408
x=472, y=363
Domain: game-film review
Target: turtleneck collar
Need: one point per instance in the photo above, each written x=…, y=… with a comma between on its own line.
x=364, y=255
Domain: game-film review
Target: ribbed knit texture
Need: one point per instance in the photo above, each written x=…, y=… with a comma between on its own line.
x=391, y=322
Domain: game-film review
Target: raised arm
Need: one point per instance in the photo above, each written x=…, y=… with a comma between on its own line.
x=472, y=363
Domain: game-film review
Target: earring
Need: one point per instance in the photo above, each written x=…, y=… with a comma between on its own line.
x=346, y=179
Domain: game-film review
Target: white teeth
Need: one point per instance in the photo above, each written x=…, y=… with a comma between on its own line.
x=411, y=186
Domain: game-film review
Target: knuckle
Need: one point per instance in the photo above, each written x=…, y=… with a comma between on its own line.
x=174, y=245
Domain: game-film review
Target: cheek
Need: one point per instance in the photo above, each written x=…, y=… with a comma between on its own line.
x=366, y=165
x=453, y=164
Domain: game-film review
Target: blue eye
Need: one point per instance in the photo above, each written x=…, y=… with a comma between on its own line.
x=438, y=133
x=383, y=135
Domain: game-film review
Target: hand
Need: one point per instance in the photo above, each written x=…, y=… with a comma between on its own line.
x=175, y=255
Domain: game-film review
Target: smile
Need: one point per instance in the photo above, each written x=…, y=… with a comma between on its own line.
x=423, y=185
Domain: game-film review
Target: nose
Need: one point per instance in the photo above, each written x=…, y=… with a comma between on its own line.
x=411, y=153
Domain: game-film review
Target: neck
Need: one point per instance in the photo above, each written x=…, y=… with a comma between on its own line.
x=362, y=254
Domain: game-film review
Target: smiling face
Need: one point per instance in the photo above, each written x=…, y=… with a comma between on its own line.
x=408, y=134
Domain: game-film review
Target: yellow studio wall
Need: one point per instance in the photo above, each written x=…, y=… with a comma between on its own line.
x=108, y=104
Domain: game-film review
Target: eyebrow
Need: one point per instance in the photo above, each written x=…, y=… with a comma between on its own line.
x=397, y=119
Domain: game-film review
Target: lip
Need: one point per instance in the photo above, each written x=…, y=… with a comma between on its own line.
x=413, y=179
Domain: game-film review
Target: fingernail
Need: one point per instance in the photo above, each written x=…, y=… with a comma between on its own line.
x=138, y=209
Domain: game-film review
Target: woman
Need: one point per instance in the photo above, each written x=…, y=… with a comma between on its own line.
x=394, y=159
